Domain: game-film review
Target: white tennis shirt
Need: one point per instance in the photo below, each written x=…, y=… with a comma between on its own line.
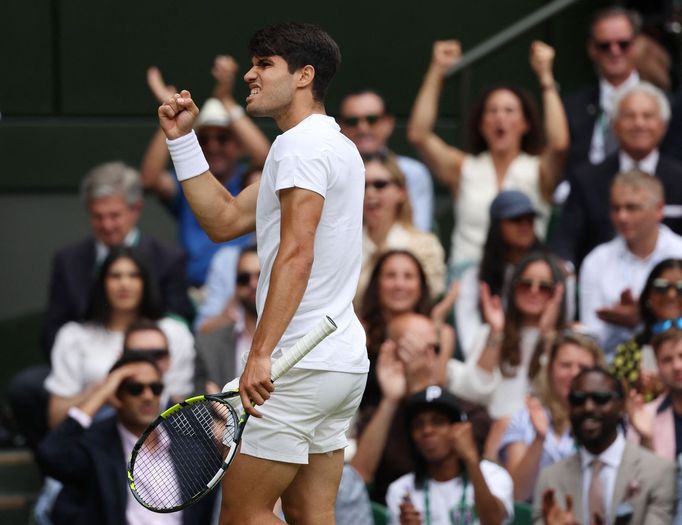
x=315, y=156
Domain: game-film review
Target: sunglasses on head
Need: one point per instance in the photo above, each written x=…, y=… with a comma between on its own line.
x=663, y=286
x=578, y=398
x=220, y=138
x=244, y=278
x=354, y=121
x=526, y=284
x=666, y=325
x=155, y=353
x=605, y=45
x=378, y=184
x=136, y=389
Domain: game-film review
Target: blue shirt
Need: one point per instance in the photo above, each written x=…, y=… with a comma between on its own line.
x=200, y=249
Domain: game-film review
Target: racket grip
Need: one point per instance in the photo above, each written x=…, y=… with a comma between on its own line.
x=302, y=347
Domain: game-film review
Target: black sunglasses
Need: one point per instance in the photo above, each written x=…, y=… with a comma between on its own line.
x=354, y=121
x=526, y=285
x=135, y=389
x=605, y=45
x=155, y=353
x=578, y=399
x=663, y=285
x=378, y=184
x=244, y=278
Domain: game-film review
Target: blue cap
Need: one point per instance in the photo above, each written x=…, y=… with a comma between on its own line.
x=510, y=204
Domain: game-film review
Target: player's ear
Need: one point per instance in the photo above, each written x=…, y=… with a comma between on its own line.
x=306, y=76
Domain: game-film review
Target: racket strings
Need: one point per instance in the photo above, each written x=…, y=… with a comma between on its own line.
x=179, y=458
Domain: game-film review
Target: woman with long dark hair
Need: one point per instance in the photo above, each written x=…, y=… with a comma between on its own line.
x=83, y=353
x=509, y=149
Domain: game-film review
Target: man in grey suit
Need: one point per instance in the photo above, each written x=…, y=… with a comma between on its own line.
x=608, y=480
x=225, y=338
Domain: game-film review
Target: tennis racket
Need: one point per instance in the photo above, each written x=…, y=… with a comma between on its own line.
x=185, y=451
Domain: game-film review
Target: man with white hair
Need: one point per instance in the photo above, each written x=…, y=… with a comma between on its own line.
x=641, y=116
x=226, y=134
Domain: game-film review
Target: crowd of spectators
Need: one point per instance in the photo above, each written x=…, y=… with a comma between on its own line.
x=537, y=368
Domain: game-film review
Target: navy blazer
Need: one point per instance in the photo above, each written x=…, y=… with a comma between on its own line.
x=585, y=221
x=91, y=465
x=73, y=274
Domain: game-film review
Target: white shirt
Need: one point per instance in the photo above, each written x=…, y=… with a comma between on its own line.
x=102, y=250
x=220, y=283
x=83, y=353
x=607, y=95
x=611, y=459
x=315, y=156
x=647, y=164
x=611, y=268
x=445, y=497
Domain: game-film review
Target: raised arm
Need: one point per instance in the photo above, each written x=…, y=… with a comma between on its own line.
x=154, y=172
x=555, y=122
x=221, y=215
x=249, y=135
x=445, y=161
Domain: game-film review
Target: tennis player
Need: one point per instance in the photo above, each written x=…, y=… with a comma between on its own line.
x=307, y=214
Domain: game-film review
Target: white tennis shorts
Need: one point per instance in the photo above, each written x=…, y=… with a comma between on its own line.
x=308, y=413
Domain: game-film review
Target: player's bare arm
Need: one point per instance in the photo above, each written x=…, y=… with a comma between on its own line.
x=221, y=215
x=301, y=211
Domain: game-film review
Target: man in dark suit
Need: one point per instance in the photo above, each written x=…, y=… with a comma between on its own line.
x=90, y=458
x=113, y=196
x=617, y=480
x=589, y=111
x=642, y=113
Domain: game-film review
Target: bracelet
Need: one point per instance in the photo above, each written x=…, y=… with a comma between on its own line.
x=188, y=159
x=548, y=87
x=494, y=339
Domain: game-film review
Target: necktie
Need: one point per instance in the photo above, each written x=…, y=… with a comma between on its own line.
x=595, y=495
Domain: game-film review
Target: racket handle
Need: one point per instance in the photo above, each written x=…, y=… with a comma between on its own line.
x=302, y=347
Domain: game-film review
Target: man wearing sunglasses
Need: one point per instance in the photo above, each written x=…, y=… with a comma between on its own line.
x=608, y=477
x=89, y=456
x=226, y=337
x=226, y=134
x=365, y=119
x=609, y=46
x=614, y=273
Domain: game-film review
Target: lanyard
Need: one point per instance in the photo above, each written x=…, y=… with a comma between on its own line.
x=462, y=514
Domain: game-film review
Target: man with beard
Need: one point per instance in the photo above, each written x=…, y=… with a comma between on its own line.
x=608, y=480
x=219, y=351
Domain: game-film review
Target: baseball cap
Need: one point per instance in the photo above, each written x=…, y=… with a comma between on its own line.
x=212, y=113
x=511, y=203
x=434, y=397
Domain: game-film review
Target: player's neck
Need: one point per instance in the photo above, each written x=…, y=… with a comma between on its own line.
x=299, y=110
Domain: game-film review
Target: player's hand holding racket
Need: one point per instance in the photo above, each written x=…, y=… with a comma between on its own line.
x=184, y=453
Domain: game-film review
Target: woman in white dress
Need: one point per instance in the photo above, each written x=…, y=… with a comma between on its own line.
x=509, y=149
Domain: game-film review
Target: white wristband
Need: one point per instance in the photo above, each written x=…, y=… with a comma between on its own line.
x=187, y=156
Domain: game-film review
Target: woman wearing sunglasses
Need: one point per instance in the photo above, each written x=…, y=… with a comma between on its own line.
x=539, y=434
x=660, y=305
x=122, y=295
x=508, y=149
x=387, y=219
x=511, y=236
